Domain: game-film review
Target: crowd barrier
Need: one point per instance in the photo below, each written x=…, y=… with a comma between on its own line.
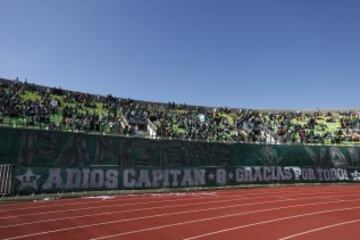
x=6, y=179
x=37, y=179
x=43, y=148
x=49, y=161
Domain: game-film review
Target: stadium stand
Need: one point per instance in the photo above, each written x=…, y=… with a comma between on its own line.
x=33, y=106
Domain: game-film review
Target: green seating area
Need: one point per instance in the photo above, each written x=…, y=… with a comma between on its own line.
x=32, y=106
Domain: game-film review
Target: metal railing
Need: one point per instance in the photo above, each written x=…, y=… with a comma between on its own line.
x=6, y=177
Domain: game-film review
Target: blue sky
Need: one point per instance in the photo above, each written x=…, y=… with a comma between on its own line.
x=299, y=54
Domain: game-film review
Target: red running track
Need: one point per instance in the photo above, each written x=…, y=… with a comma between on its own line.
x=281, y=213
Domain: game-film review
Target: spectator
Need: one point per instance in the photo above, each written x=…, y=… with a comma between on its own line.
x=53, y=108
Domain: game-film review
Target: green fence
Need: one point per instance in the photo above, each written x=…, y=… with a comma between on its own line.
x=48, y=161
x=49, y=149
x=293, y=155
x=36, y=179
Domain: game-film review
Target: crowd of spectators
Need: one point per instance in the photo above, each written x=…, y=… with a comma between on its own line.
x=23, y=104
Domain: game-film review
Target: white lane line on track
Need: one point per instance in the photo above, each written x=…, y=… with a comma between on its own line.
x=117, y=200
x=162, y=207
x=334, y=198
x=319, y=229
x=99, y=207
x=265, y=222
x=134, y=210
x=136, y=204
x=97, y=201
x=219, y=217
x=87, y=200
x=170, y=214
x=146, y=203
x=152, y=197
x=84, y=201
x=128, y=204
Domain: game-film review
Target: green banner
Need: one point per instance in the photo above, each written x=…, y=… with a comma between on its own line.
x=40, y=148
x=35, y=179
x=47, y=148
x=294, y=155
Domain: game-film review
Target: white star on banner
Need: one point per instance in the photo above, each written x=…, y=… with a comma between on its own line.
x=211, y=176
x=356, y=175
x=230, y=175
x=29, y=179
